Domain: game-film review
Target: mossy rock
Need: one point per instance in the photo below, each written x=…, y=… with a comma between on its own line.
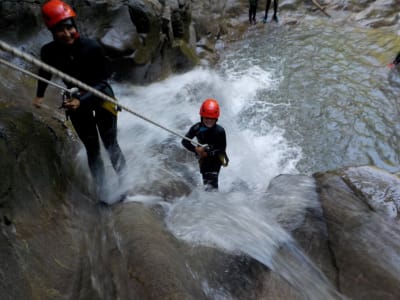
x=188, y=53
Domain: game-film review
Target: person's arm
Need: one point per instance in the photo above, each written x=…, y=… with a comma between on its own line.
x=41, y=88
x=190, y=134
x=86, y=96
x=82, y=99
x=41, y=85
x=397, y=59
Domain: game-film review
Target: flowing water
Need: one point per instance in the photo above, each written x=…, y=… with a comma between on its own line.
x=294, y=100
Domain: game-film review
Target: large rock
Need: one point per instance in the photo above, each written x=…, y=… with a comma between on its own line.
x=363, y=237
x=352, y=235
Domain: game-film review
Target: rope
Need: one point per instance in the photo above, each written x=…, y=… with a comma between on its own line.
x=8, y=64
x=8, y=48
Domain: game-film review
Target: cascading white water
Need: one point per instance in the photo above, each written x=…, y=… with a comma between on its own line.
x=175, y=102
x=285, y=111
x=239, y=218
x=244, y=223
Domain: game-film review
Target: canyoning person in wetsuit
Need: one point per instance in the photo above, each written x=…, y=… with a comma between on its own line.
x=83, y=59
x=252, y=11
x=274, y=16
x=208, y=133
x=395, y=62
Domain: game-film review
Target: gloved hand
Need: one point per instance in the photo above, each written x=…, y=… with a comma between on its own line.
x=201, y=151
x=37, y=102
x=71, y=104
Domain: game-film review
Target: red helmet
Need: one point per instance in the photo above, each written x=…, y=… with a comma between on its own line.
x=210, y=109
x=55, y=11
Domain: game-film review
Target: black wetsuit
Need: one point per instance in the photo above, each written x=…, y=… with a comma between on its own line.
x=252, y=11
x=396, y=61
x=85, y=61
x=268, y=4
x=215, y=138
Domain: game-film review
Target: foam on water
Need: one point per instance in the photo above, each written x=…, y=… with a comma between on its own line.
x=174, y=103
x=237, y=218
x=245, y=223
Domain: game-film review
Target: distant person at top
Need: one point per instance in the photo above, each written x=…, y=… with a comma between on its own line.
x=395, y=62
x=252, y=11
x=83, y=59
x=212, y=156
x=274, y=16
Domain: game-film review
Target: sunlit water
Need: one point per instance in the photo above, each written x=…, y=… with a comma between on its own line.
x=294, y=100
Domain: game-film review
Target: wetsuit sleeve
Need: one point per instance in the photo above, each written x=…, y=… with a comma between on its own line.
x=42, y=86
x=397, y=59
x=190, y=134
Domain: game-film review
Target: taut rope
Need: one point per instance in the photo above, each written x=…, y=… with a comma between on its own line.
x=8, y=48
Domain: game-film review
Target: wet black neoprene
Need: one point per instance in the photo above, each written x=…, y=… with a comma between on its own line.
x=215, y=138
x=85, y=61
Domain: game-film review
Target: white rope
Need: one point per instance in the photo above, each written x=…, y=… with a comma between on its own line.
x=8, y=48
x=8, y=64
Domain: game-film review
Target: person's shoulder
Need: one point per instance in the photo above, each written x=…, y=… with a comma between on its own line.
x=195, y=126
x=219, y=128
x=48, y=49
x=88, y=42
x=48, y=46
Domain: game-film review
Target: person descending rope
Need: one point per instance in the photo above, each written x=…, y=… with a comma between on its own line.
x=208, y=133
x=83, y=59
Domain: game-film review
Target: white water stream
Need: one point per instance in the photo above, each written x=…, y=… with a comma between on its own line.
x=285, y=111
x=240, y=218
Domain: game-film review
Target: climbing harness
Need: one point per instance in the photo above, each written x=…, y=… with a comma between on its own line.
x=224, y=159
x=8, y=48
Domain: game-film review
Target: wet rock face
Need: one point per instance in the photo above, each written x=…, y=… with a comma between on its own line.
x=31, y=183
x=381, y=193
x=363, y=234
x=352, y=234
x=23, y=159
x=18, y=19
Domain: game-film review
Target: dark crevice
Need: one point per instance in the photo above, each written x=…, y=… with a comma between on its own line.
x=5, y=194
x=334, y=264
x=359, y=194
x=7, y=221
